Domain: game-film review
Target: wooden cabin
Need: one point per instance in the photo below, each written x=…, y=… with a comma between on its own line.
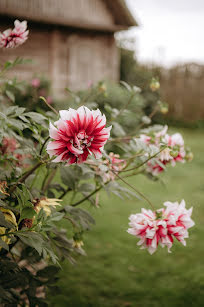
x=70, y=41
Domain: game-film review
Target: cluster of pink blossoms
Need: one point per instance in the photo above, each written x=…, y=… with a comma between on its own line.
x=78, y=134
x=107, y=168
x=12, y=38
x=9, y=147
x=162, y=226
x=175, y=152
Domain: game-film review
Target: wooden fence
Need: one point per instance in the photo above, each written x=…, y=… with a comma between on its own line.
x=183, y=88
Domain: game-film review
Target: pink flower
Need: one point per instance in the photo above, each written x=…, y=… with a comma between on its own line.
x=35, y=82
x=116, y=163
x=9, y=145
x=105, y=167
x=154, y=168
x=16, y=37
x=77, y=134
x=162, y=226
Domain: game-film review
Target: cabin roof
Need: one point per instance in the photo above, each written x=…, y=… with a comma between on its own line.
x=58, y=13
x=121, y=13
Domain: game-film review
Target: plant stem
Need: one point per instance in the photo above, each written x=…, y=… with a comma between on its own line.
x=137, y=191
x=49, y=106
x=43, y=145
x=126, y=105
x=64, y=193
x=49, y=180
x=133, y=168
x=87, y=197
x=25, y=176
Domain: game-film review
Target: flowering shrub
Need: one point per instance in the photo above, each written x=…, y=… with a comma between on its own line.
x=52, y=162
x=173, y=152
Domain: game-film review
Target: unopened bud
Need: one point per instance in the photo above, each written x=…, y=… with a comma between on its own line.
x=174, y=153
x=189, y=156
x=154, y=85
x=164, y=110
x=146, y=120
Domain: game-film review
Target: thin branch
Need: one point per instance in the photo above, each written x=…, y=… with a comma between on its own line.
x=133, y=168
x=43, y=145
x=49, y=106
x=137, y=191
x=26, y=175
x=87, y=197
x=64, y=193
x=49, y=180
x=126, y=105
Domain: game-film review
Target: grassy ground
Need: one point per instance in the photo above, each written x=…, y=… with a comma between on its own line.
x=117, y=273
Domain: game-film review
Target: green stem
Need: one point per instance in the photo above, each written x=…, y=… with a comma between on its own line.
x=136, y=190
x=64, y=193
x=25, y=176
x=133, y=168
x=87, y=197
x=43, y=145
x=49, y=106
x=126, y=105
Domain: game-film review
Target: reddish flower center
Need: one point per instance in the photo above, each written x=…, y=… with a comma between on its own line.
x=82, y=140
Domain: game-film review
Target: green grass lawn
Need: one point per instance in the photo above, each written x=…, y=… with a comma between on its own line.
x=117, y=273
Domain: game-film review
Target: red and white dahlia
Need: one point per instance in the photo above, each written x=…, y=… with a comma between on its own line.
x=77, y=134
x=16, y=37
x=162, y=226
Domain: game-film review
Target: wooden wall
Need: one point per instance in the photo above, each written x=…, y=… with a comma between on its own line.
x=67, y=57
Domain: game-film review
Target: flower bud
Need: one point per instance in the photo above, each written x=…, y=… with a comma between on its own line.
x=102, y=87
x=164, y=110
x=146, y=120
x=154, y=85
x=174, y=153
x=189, y=156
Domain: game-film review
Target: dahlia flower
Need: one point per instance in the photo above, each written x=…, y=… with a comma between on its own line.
x=162, y=226
x=16, y=37
x=77, y=134
x=46, y=204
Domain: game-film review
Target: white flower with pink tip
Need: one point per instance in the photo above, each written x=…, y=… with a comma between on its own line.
x=16, y=37
x=77, y=134
x=162, y=226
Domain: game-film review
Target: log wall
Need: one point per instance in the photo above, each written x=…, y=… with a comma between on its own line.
x=66, y=57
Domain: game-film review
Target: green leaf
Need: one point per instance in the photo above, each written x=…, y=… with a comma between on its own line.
x=36, y=117
x=86, y=187
x=69, y=177
x=32, y=239
x=10, y=95
x=48, y=272
x=27, y=213
x=118, y=129
x=4, y=245
x=56, y=216
x=3, y=221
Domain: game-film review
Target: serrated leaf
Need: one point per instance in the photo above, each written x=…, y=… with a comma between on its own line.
x=86, y=187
